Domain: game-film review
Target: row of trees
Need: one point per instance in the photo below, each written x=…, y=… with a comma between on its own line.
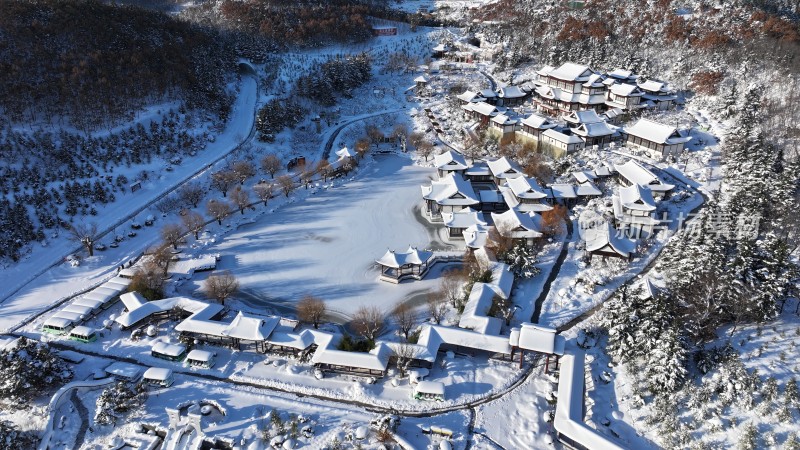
x=733, y=267
x=51, y=178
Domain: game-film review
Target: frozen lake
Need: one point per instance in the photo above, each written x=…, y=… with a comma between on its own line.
x=326, y=244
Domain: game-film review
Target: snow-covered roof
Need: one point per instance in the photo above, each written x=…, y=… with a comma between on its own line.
x=515, y=224
x=420, y=79
x=433, y=336
x=587, y=189
x=488, y=93
x=605, y=237
x=489, y=196
x=602, y=171
x=596, y=129
x=514, y=202
x=653, y=86
x=326, y=353
x=478, y=168
x=123, y=370
x=200, y=355
x=621, y=74
x=58, y=322
x=250, y=327
x=189, y=266
x=78, y=309
x=571, y=72
x=538, y=338
x=132, y=300
x=625, y=90
x=583, y=176
x=635, y=173
x=544, y=71
x=502, y=279
x=94, y=304
x=452, y=190
x=568, y=418
x=450, y=160
x=164, y=348
x=412, y=256
x=71, y=316
x=475, y=236
x=300, y=341
x=470, y=97
x=476, y=309
x=585, y=116
x=157, y=374
x=595, y=80
x=82, y=330
x=510, y=92
x=345, y=152
x=481, y=108
x=502, y=119
x=656, y=132
x=637, y=197
x=463, y=219
x=562, y=137
x=504, y=168
x=612, y=113
x=128, y=272
x=524, y=187
x=539, y=122
x=562, y=190
x=430, y=387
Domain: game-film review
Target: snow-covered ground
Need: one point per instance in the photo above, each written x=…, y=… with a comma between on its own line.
x=63, y=280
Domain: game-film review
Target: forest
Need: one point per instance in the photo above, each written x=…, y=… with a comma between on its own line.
x=88, y=64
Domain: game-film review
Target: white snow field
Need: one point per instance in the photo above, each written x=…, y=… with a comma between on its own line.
x=326, y=244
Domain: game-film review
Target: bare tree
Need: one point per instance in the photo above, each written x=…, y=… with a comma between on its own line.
x=168, y=204
x=400, y=131
x=405, y=354
x=263, y=191
x=244, y=170
x=311, y=309
x=221, y=286
x=286, y=184
x=218, y=209
x=375, y=135
x=425, y=149
x=416, y=138
x=223, y=180
x=437, y=306
x=160, y=257
x=172, y=233
x=240, y=198
x=324, y=169
x=191, y=194
x=405, y=318
x=306, y=176
x=193, y=222
x=84, y=234
x=271, y=164
x=362, y=147
x=148, y=281
x=368, y=321
x=452, y=287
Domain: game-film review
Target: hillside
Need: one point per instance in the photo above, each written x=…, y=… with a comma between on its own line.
x=92, y=64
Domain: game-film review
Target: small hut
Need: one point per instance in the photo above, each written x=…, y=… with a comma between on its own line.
x=395, y=266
